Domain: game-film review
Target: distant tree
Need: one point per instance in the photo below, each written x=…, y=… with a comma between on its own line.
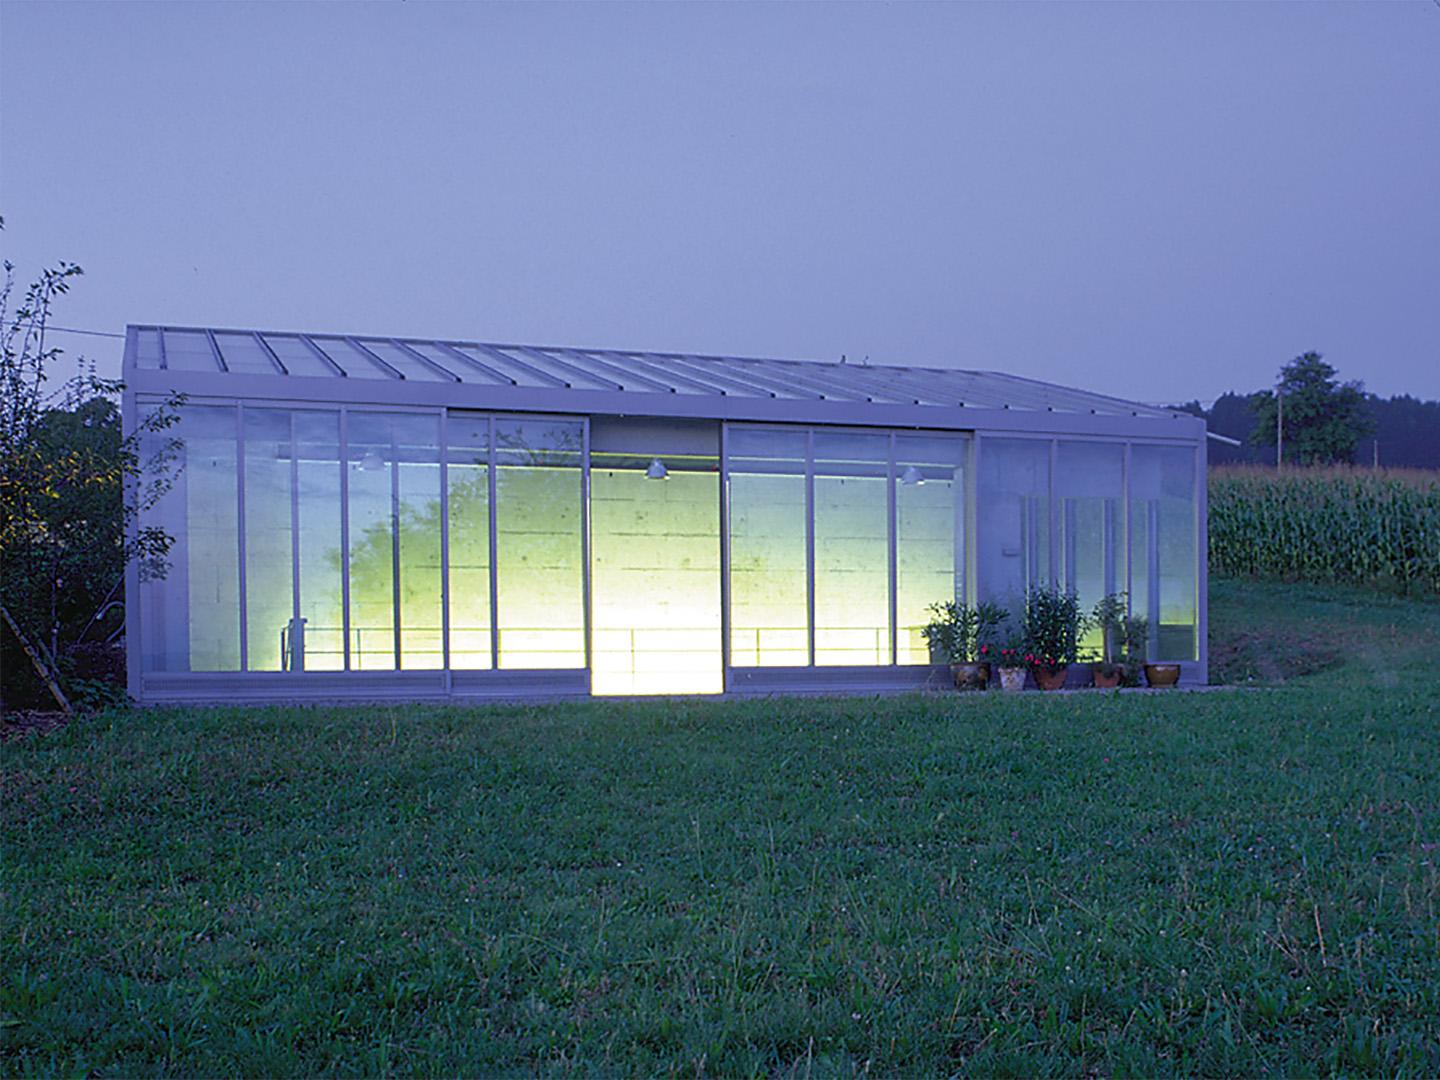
x=1323, y=419
x=67, y=529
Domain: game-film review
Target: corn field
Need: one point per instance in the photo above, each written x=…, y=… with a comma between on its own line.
x=1360, y=526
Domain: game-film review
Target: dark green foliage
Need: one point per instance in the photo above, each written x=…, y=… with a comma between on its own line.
x=1053, y=622
x=1323, y=419
x=67, y=527
x=959, y=634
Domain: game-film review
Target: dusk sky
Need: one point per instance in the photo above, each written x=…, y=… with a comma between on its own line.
x=1160, y=202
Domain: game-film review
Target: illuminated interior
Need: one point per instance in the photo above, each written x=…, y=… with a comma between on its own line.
x=929, y=534
x=852, y=546
x=539, y=543
x=655, y=574
x=769, y=624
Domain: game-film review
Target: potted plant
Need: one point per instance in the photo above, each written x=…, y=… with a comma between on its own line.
x=1053, y=622
x=963, y=637
x=1011, y=663
x=1134, y=643
x=1109, y=618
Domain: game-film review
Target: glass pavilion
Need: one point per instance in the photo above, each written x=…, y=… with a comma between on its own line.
x=395, y=518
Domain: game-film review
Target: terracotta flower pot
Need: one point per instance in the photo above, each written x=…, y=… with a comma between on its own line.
x=970, y=676
x=1012, y=678
x=1051, y=678
x=1158, y=675
x=1101, y=680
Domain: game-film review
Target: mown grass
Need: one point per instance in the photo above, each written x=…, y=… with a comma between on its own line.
x=1242, y=882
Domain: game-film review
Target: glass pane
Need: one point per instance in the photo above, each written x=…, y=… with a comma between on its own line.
x=191, y=616
x=469, y=541
x=355, y=364
x=147, y=349
x=1013, y=519
x=406, y=364
x=929, y=534
x=655, y=575
x=1090, y=479
x=317, y=442
x=538, y=539
x=269, y=592
x=417, y=441
x=852, y=549
x=244, y=355
x=1164, y=579
x=187, y=350
x=370, y=453
x=299, y=358
x=768, y=623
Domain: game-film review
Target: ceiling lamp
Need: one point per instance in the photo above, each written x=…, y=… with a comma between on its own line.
x=912, y=476
x=656, y=471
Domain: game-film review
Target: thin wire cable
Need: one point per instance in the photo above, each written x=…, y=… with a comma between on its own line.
x=91, y=333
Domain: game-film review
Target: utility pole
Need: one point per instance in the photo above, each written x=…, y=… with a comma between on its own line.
x=1375, y=454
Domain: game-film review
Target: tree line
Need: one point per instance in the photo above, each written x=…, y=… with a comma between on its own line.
x=1323, y=421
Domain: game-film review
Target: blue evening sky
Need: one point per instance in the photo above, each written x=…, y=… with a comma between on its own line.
x=1157, y=201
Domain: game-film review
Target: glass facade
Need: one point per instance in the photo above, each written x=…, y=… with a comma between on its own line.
x=539, y=551
x=769, y=509
x=364, y=539
x=1164, y=585
x=930, y=512
x=852, y=548
x=655, y=574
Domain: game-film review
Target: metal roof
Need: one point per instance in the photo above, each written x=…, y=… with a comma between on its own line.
x=302, y=360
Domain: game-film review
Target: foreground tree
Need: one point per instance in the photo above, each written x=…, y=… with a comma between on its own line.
x=67, y=528
x=1320, y=419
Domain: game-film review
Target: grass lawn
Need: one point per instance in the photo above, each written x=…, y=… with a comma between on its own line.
x=1230, y=882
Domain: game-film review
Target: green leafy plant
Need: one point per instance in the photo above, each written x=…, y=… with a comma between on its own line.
x=1053, y=622
x=1108, y=616
x=961, y=634
x=1134, y=644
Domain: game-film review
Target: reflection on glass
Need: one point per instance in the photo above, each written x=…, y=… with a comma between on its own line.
x=467, y=472
x=1162, y=516
x=655, y=575
x=417, y=453
x=1013, y=519
x=768, y=621
x=1090, y=479
x=320, y=645
x=541, y=617
x=371, y=451
x=929, y=532
x=852, y=549
x=269, y=588
x=191, y=616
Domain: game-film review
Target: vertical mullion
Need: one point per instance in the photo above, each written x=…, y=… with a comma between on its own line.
x=345, y=532
x=395, y=540
x=724, y=556
x=1129, y=531
x=893, y=530
x=585, y=548
x=445, y=544
x=1054, y=523
x=810, y=545
x=240, y=528
x=1152, y=574
x=968, y=527
x=490, y=488
x=296, y=631
x=1200, y=510
x=1068, y=516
